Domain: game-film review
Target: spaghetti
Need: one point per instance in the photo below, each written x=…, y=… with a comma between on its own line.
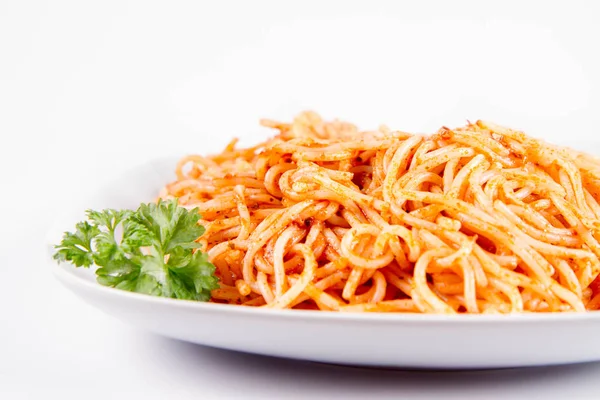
x=479, y=219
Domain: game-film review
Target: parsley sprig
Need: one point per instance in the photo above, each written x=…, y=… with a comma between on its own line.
x=152, y=250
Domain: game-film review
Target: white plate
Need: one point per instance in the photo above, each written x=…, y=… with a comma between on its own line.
x=381, y=340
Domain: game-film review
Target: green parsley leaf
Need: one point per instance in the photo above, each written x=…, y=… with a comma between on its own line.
x=77, y=247
x=190, y=275
x=157, y=253
x=108, y=218
x=171, y=225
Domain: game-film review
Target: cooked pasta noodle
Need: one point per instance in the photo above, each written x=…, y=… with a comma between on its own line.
x=479, y=219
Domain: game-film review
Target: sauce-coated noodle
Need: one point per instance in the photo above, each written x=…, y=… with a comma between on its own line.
x=479, y=219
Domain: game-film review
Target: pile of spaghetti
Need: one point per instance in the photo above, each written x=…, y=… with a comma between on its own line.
x=479, y=219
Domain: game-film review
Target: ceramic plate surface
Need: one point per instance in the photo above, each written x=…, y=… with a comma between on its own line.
x=380, y=340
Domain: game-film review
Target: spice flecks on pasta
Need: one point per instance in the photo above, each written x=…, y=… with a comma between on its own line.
x=478, y=219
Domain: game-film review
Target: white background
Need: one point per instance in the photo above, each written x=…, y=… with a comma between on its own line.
x=90, y=88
